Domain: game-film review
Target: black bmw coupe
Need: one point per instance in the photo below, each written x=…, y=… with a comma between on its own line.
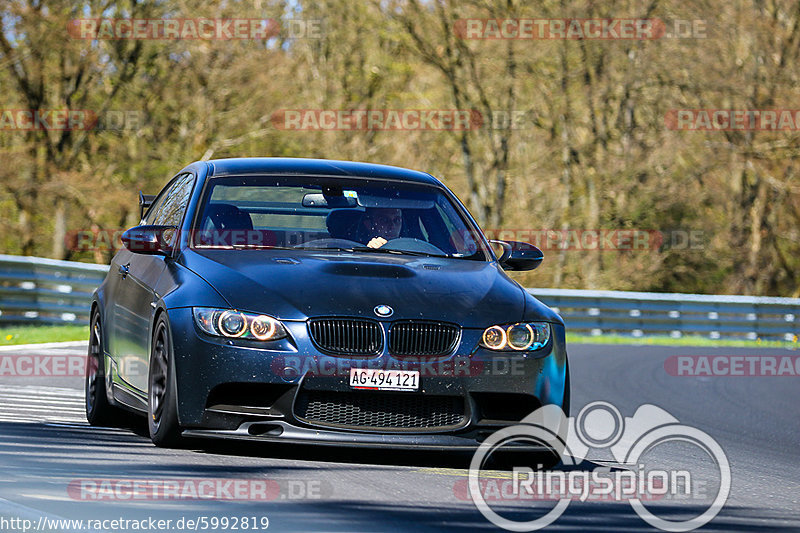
x=316, y=301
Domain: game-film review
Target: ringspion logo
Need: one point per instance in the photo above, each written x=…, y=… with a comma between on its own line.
x=599, y=426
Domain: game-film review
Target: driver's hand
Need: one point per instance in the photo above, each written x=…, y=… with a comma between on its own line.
x=376, y=242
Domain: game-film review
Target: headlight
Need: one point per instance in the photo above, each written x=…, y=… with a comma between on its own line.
x=494, y=338
x=525, y=336
x=235, y=324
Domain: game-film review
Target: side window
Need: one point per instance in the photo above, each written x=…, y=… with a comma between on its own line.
x=171, y=212
x=155, y=207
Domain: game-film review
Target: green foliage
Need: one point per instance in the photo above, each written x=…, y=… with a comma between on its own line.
x=591, y=151
x=38, y=334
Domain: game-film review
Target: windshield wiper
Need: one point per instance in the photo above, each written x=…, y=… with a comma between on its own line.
x=374, y=250
x=328, y=248
x=393, y=251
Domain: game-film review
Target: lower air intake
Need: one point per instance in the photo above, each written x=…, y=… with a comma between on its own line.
x=379, y=410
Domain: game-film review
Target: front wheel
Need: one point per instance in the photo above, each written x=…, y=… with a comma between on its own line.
x=565, y=406
x=99, y=412
x=162, y=401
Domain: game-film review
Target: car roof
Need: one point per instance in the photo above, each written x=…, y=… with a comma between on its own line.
x=315, y=167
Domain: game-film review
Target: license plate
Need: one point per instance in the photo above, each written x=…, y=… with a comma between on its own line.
x=377, y=379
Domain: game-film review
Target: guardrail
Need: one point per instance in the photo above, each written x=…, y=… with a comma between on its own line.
x=674, y=314
x=42, y=291
x=46, y=291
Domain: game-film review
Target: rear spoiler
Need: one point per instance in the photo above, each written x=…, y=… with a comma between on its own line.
x=145, y=201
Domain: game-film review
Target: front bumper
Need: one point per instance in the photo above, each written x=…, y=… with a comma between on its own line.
x=291, y=434
x=235, y=391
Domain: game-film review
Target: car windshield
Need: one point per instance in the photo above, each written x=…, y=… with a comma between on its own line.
x=336, y=214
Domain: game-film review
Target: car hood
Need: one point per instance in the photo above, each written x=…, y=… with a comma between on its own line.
x=293, y=285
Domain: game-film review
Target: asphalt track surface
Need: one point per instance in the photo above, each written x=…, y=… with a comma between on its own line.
x=46, y=448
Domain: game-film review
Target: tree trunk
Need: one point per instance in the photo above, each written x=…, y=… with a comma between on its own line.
x=59, y=230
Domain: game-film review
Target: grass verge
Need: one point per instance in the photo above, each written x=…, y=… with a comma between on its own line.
x=680, y=341
x=35, y=334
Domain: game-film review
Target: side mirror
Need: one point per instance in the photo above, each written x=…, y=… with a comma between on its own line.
x=519, y=255
x=151, y=240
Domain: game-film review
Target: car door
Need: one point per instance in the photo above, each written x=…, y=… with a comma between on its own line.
x=121, y=323
x=138, y=275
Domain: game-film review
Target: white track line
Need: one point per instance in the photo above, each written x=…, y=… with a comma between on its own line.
x=35, y=389
x=41, y=404
x=68, y=344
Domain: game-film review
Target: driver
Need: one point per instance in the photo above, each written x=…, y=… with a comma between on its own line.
x=380, y=225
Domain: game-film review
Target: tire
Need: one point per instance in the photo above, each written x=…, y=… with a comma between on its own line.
x=565, y=406
x=99, y=412
x=162, y=391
